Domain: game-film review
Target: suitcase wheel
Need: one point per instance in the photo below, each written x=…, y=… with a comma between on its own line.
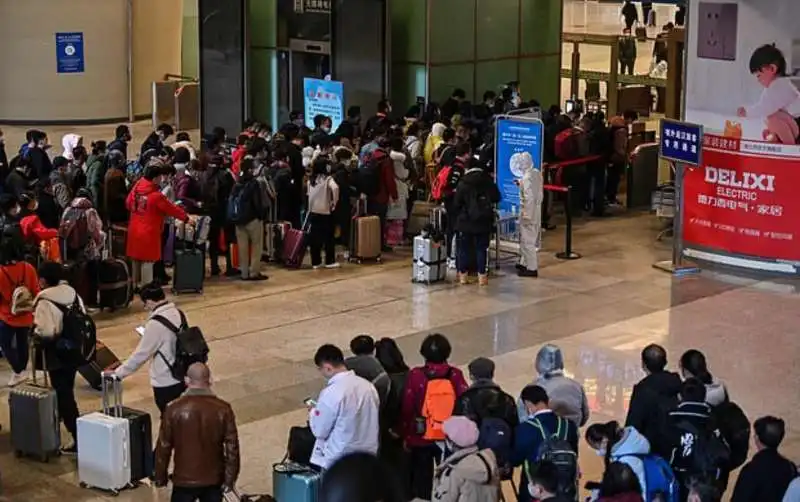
x=83, y=485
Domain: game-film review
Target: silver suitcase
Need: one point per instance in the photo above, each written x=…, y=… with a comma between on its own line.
x=103, y=439
x=33, y=413
x=430, y=261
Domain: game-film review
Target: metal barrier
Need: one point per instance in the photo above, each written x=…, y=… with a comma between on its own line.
x=175, y=100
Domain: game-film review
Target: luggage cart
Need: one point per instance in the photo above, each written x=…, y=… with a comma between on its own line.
x=663, y=204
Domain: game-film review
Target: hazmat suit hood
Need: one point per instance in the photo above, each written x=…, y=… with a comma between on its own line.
x=549, y=360
x=69, y=142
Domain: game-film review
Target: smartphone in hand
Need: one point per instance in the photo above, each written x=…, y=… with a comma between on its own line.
x=310, y=403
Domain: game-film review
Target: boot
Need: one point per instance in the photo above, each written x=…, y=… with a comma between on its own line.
x=463, y=279
x=483, y=279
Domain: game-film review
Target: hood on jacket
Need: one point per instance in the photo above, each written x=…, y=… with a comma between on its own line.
x=716, y=393
x=69, y=141
x=63, y=294
x=632, y=443
x=397, y=156
x=438, y=129
x=81, y=203
x=145, y=187
x=469, y=466
x=549, y=360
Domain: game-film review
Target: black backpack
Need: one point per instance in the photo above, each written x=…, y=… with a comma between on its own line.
x=706, y=453
x=240, y=203
x=556, y=449
x=190, y=346
x=369, y=176
x=76, y=345
x=480, y=207
x=735, y=429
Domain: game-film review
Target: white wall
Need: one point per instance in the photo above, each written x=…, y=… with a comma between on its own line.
x=720, y=87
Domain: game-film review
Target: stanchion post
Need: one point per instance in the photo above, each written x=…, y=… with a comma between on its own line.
x=677, y=220
x=568, y=254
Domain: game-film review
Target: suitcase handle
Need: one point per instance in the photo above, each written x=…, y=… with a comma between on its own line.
x=32, y=350
x=109, y=380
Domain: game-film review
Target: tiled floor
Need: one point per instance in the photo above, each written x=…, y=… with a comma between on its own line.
x=601, y=309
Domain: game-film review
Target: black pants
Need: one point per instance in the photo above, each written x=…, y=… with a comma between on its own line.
x=320, y=236
x=14, y=343
x=629, y=22
x=597, y=183
x=214, y=230
x=646, y=9
x=626, y=67
x=203, y=494
x=613, y=177
x=165, y=395
x=63, y=382
x=379, y=210
x=422, y=461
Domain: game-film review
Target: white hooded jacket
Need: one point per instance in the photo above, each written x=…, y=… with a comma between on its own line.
x=69, y=142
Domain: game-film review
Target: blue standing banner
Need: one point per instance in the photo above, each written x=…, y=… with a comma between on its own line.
x=515, y=136
x=323, y=97
x=69, y=53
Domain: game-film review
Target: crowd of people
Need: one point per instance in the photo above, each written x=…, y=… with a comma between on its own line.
x=433, y=433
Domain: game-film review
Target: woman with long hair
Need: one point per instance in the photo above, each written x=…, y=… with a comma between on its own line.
x=323, y=195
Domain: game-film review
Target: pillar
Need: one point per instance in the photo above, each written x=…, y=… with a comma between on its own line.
x=263, y=62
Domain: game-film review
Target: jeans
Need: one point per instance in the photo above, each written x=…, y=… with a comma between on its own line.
x=63, y=382
x=469, y=245
x=165, y=395
x=14, y=343
x=422, y=460
x=199, y=494
x=250, y=238
x=320, y=236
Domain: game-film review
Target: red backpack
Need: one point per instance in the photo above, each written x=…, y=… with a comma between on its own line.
x=439, y=190
x=566, y=144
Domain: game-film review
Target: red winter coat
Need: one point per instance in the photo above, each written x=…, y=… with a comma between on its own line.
x=387, y=188
x=148, y=208
x=34, y=232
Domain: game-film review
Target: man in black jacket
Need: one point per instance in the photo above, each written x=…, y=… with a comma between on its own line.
x=156, y=140
x=38, y=160
x=122, y=136
x=653, y=398
x=767, y=476
x=484, y=398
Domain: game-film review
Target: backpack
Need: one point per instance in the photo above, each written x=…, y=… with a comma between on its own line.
x=439, y=189
x=495, y=434
x=74, y=229
x=239, y=207
x=437, y=405
x=480, y=208
x=661, y=483
x=735, y=429
x=134, y=170
x=210, y=188
x=707, y=453
x=369, y=176
x=77, y=343
x=21, y=297
x=566, y=144
x=190, y=346
x=556, y=449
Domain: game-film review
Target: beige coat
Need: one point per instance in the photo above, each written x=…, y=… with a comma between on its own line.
x=467, y=475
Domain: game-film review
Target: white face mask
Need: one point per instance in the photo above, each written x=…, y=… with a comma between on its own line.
x=601, y=452
x=15, y=210
x=326, y=129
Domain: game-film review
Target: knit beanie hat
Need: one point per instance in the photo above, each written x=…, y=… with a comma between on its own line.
x=461, y=431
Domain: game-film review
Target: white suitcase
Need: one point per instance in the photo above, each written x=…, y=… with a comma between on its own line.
x=103, y=458
x=430, y=261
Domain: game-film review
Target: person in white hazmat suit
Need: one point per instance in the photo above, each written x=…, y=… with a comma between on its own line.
x=530, y=215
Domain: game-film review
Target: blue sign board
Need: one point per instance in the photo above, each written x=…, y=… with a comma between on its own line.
x=69, y=53
x=681, y=142
x=323, y=97
x=517, y=140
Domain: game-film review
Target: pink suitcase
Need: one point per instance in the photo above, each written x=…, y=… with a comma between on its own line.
x=294, y=248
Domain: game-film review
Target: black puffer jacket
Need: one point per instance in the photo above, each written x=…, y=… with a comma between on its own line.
x=653, y=398
x=474, y=202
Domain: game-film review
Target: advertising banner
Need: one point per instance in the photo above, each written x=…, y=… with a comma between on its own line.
x=740, y=206
x=69, y=53
x=743, y=200
x=518, y=140
x=323, y=97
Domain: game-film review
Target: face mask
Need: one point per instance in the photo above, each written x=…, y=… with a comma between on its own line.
x=326, y=129
x=35, y=206
x=15, y=210
x=328, y=169
x=298, y=122
x=601, y=452
x=2, y=140
x=516, y=100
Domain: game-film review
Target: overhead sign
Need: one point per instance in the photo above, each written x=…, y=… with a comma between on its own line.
x=518, y=140
x=323, y=97
x=69, y=53
x=681, y=142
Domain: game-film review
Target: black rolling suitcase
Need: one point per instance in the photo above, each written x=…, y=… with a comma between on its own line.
x=189, y=268
x=115, y=284
x=140, y=437
x=104, y=360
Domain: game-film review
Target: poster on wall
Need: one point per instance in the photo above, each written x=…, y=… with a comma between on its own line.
x=518, y=141
x=743, y=87
x=323, y=97
x=69, y=53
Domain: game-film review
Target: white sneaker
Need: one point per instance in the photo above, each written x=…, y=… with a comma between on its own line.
x=316, y=267
x=16, y=379
x=335, y=264
x=451, y=264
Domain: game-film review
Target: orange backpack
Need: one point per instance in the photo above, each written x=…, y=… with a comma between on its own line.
x=437, y=405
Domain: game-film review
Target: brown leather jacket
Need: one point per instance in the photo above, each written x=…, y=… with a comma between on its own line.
x=201, y=429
